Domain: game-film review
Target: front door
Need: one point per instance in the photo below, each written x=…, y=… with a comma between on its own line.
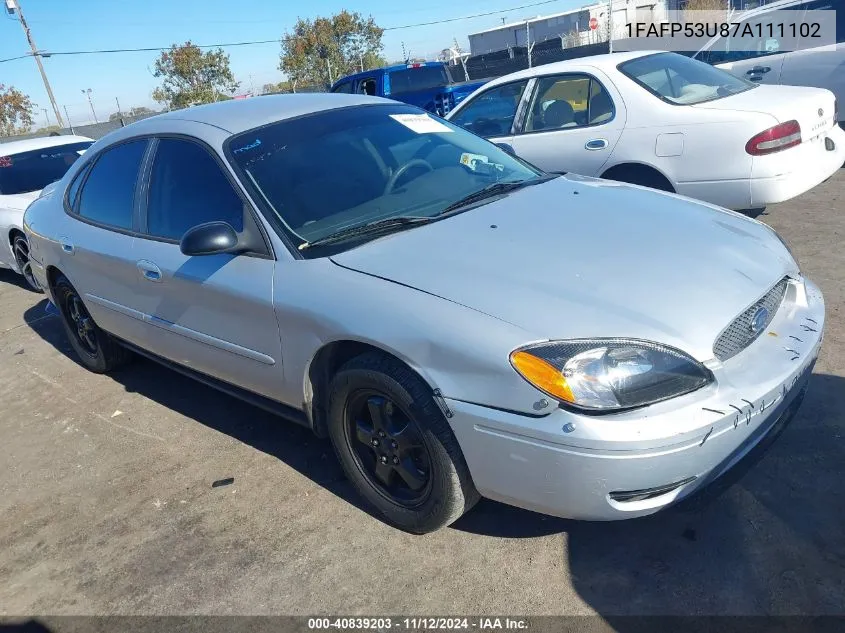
x=211, y=313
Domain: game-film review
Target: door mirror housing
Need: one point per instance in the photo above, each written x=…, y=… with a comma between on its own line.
x=210, y=238
x=507, y=148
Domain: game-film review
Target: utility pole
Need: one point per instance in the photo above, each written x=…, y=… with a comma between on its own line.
x=46, y=118
x=70, y=125
x=15, y=4
x=528, y=41
x=609, y=26
x=119, y=113
x=90, y=103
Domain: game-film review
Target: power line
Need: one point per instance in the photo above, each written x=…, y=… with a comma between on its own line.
x=469, y=17
x=278, y=40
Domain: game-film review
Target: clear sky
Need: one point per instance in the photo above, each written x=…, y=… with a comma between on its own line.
x=65, y=25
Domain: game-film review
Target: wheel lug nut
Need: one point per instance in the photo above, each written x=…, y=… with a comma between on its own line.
x=394, y=444
x=381, y=434
x=375, y=442
x=395, y=460
x=383, y=459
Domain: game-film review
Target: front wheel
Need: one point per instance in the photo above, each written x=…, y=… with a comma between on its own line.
x=396, y=446
x=97, y=350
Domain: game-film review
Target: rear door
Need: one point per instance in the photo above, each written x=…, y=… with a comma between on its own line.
x=212, y=313
x=572, y=123
x=98, y=245
x=493, y=112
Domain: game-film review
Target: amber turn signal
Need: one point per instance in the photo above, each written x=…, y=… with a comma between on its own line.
x=542, y=375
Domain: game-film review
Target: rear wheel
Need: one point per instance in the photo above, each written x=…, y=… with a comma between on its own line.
x=20, y=246
x=639, y=175
x=396, y=446
x=98, y=351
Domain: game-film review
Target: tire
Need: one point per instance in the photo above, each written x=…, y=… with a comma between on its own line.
x=20, y=248
x=376, y=398
x=639, y=175
x=98, y=351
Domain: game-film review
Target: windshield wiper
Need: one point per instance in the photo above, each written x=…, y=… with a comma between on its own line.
x=495, y=189
x=377, y=226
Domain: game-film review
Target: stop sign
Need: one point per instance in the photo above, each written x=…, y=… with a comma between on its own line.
x=594, y=24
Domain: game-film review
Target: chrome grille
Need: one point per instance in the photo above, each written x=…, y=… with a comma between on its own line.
x=739, y=334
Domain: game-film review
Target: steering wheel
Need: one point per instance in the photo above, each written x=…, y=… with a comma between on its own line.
x=414, y=162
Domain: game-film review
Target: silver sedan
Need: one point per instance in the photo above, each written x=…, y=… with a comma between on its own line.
x=458, y=323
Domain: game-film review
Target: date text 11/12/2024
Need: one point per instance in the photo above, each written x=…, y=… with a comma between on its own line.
x=417, y=623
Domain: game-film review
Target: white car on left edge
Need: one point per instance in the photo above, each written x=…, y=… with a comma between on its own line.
x=665, y=121
x=26, y=167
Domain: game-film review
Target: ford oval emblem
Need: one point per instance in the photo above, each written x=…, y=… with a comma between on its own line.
x=821, y=112
x=760, y=320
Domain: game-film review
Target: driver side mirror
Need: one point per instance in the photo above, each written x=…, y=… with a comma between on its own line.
x=210, y=238
x=507, y=148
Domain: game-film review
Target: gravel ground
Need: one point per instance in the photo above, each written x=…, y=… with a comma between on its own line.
x=106, y=503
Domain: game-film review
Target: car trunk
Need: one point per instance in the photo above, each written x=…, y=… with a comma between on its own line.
x=813, y=108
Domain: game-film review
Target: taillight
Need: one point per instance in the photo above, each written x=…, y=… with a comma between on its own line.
x=775, y=139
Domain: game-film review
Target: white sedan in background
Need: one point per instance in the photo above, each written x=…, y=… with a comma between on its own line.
x=665, y=121
x=26, y=167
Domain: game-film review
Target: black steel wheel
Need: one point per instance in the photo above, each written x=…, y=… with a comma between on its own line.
x=388, y=447
x=395, y=444
x=97, y=350
x=20, y=246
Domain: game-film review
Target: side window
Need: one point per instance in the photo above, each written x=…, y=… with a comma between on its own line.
x=73, y=190
x=492, y=112
x=345, y=87
x=109, y=193
x=828, y=5
x=559, y=102
x=188, y=188
x=367, y=86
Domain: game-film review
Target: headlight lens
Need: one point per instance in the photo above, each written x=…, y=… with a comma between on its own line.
x=609, y=374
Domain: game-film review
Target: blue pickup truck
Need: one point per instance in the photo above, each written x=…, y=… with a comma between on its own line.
x=427, y=85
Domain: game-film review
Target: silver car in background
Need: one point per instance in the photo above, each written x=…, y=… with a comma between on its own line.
x=458, y=323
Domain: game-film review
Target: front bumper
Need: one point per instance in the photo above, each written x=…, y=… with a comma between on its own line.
x=573, y=465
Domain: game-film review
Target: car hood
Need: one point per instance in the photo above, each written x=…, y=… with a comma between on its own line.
x=578, y=257
x=18, y=201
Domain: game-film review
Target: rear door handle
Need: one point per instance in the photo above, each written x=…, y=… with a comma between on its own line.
x=149, y=271
x=67, y=247
x=596, y=143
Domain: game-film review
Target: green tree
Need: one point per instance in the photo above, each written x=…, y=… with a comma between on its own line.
x=192, y=77
x=15, y=111
x=322, y=50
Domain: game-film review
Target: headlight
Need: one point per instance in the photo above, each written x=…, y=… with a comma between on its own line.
x=609, y=374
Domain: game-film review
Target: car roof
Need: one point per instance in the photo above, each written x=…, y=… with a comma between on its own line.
x=387, y=69
x=27, y=145
x=606, y=62
x=238, y=115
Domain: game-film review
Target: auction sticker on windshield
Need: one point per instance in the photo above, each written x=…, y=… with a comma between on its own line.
x=420, y=123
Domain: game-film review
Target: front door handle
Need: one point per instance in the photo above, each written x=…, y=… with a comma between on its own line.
x=596, y=143
x=67, y=246
x=756, y=73
x=149, y=271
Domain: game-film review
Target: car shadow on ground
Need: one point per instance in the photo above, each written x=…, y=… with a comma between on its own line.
x=11, y=277
x=768, y=537
x=293, y=444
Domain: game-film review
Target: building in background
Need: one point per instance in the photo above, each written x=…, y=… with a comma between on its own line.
x=571, y=28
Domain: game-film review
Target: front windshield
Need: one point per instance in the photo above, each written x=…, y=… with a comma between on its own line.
x=351, y=166
x=25, y=172
x=681, y=80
